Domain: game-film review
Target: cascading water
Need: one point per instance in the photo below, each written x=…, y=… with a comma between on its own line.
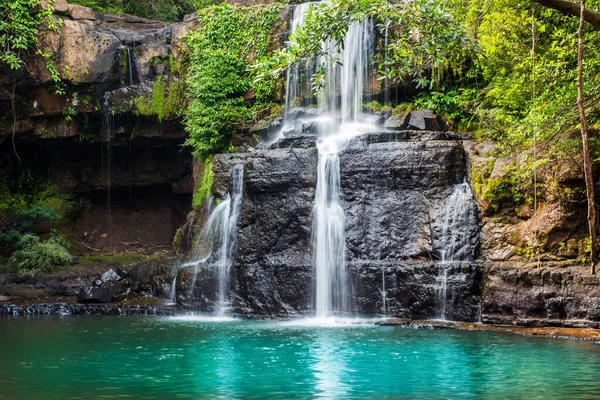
x=296, y=87
x=132, y=66
x=129, y=64
x=216, y=243
x=340, y=107
x=455, y=245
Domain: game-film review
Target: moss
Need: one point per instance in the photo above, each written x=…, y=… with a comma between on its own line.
x=166, y=100
x=206, y=183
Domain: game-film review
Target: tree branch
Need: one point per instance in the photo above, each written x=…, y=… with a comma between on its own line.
x=569, y=8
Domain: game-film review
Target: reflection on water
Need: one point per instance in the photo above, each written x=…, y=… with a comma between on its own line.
x=192, y=357
x=328, y=368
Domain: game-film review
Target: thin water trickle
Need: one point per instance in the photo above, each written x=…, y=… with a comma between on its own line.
x=108, y=132
x=383, y=293
x=173, y=294
x=129, y=64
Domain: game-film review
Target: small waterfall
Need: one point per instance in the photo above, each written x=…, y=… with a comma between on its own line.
x=383, y=293
x=173, y=294
x=216, y=243
x=455, y=243
x=129, y=64
x=132, y=66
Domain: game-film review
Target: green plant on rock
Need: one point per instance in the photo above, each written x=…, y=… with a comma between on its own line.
x=167, y=100
x=20, y=23
x=223, y=92
x=202, y=191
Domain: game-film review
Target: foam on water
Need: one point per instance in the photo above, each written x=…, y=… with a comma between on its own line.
x=201, y=318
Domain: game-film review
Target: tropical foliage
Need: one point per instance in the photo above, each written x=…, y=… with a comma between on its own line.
x=20, y=22
x=223, y=93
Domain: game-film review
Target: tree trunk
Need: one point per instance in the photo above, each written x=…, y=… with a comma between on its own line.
x=570, y=8
x=587, y=160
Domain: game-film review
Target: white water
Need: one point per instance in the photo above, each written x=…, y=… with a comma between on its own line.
x=216, y=243
x=455, y=245
x=340, y=106
x=295, y=84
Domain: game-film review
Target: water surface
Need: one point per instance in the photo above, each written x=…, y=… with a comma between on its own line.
x=163, y=358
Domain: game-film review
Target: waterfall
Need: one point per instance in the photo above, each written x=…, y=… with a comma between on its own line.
x=132, y=66
x=173, y=294
x=340, y=105
x=295, y=85
x=383, y=293
x=217, y=240
x=129, y=64
x=455, y=242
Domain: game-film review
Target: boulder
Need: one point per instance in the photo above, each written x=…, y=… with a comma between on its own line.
x=110, y=275
x=94, y=294
x=425, y=120
x=395, y=122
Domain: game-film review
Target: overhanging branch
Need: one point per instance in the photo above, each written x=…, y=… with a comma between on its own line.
x=566, y=7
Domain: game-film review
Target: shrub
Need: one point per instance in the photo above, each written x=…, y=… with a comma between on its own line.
x=33, y=255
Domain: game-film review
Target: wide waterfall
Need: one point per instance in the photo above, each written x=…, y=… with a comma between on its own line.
x=217, y=240
x=340, y=105
x=455, y=245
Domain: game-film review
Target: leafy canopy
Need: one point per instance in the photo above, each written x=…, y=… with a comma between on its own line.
x=424, y=40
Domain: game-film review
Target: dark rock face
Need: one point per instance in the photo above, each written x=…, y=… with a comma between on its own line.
x=394, y=187
x=407, y=289
x=539, y=293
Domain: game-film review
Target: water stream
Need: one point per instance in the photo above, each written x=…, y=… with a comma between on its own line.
x=340, y=107
x=455, y=245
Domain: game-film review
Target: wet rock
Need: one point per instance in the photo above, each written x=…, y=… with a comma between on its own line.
x=298, y=113
x=546, y=292
x=94, y=294
x=85, y=309
x=396, y=122
x=266, y=128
